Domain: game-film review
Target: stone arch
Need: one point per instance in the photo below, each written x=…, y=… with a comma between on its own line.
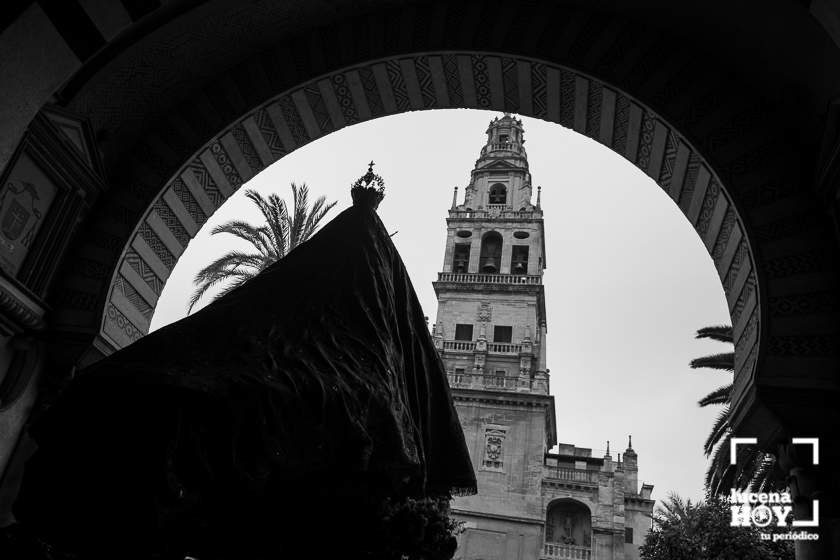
x=497, y=194
x=568, y=521
x=426, y=81
x=597, y=70
x=490, y=252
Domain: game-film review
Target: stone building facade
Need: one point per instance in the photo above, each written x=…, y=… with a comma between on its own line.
x=490, y=331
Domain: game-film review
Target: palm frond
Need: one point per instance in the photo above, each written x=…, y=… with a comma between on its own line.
x=232, y=286
x=280, y=233
x=720, y=475
x=274, y=211
x=721, y=333
x=719, y=430
x=767, y=477
x=721, y=395
x=245, y=231
x=202, y=288
x=297, y=219
x=724, y=361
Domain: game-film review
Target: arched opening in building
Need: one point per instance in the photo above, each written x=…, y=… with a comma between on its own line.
x=491, y=253
x=226, y=132
x=498, y=194
x=568, y=522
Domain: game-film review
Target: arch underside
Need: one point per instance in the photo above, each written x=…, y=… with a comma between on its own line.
x=188, y=113
x=433, y=81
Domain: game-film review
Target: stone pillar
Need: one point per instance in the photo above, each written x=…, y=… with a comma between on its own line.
x=507, y=252
x=475, y=251
x=449, y=252
x=809, y=483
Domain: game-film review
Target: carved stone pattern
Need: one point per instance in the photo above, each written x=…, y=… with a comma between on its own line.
x=759, y=157
x=105, y=240
x=144, y=270
x=372, y=92
x=133, y=297
x=750, y=361
x=11, y=305
x=692, y=170
x=395, y=78
x=751, y=117
x=617, y=50
x=804, y=345
x=152, y=165
x=746, y=334
x=595, y=99
x=804, y=304
x=708, y=104
x=790, y=265
x=538, y=90
x=485, y=25
x=768, y=192
x=206, y=182
x=453, y=80
x=676, y=84
x=424, y=79
x=746, y=292
x=344, y=97
x=726, y=229
x=247, y=148
x=78, y=299
x=708, y=208
x=171, y=220
x=567, y=99
x=494, y=448
x=122, y=323
x=89, y=268
x=187, y=199
x=510, y=84
x=293, y=120
x=591, y=30
x=319, y=108
x=223, y=159
x=482, y=81
x=269, y=133
x=151, y=238
x=622, y=122
x=737, y=259
x=485, y=312
x=421, y=24
x=667, y=170
x=789, y=226
x=645, y=141
x=645, y=66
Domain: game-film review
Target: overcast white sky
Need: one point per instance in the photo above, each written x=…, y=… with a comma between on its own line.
x=627, y=285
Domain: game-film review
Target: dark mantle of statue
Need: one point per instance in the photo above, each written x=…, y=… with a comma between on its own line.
x=277, y=419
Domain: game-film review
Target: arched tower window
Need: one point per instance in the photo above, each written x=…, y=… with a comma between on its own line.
x=568, y=522
x=498, y=194
x=491, y=253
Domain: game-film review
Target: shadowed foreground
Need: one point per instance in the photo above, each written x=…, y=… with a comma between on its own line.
x=283, y=415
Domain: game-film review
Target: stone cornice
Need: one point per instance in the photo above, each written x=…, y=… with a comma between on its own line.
x=516, y=519
x=23, y=311
x=526, y=400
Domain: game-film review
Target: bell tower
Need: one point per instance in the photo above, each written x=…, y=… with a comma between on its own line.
x=490, y=331
x=490, y=291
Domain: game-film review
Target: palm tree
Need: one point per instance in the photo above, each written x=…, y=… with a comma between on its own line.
x=754, y=470
x=282, y=232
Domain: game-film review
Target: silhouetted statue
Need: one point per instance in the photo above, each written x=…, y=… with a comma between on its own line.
x=283, y=415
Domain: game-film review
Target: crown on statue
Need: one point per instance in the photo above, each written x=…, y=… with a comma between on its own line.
x=368, y=190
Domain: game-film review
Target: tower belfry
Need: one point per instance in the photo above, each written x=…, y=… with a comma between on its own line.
x=490, y=291
x=490, y=331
